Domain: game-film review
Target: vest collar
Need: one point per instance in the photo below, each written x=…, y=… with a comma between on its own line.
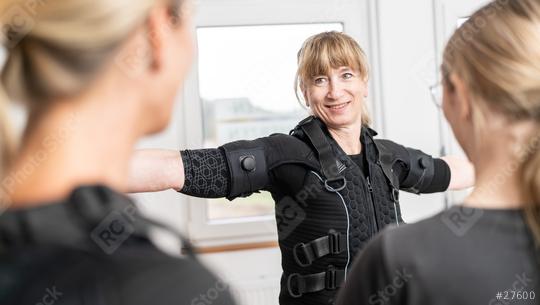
x=73, y=222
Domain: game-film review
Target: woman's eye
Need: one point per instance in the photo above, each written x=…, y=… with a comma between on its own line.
x=319, y=80
x=347, y=75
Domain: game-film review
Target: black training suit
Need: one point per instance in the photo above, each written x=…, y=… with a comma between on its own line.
x=327, y=206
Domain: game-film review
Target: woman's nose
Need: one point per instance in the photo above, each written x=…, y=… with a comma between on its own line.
x=335, y=91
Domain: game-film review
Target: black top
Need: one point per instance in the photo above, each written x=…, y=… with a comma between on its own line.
x=93, y=248
x=460, y=256
x=359, y=160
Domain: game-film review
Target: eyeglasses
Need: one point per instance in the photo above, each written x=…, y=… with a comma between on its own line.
x=436, y=92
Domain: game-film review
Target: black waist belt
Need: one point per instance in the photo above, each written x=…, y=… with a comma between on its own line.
x=299, y=284
x=305, y=253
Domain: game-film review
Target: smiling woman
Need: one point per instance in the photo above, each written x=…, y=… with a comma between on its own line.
x=332, y=74
x=334, y=185
x=337, y=97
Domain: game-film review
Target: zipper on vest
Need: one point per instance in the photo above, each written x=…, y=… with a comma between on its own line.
x=369, y=186
x=374, y=218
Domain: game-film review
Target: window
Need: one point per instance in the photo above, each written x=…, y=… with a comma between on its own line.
x=450, y=15
x=242, y=88
x=246, y=76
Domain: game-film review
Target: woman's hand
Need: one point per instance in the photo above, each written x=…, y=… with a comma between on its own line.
x=153, y=170
x=462, y=172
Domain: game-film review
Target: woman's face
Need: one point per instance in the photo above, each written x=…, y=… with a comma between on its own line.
x=337, y=98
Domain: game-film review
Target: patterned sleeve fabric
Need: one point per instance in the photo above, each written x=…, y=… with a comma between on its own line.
x=207, y=174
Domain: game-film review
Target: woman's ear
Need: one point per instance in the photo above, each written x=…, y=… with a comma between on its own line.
x=366, y=92
x=461, y=97
x=304, y=93
x=157, y=20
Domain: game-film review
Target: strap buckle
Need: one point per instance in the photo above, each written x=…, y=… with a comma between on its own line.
x=334, y=242
x=395, y=195
x=295, y=293
x=336, y=179
x=330, y=281
x=306, y=254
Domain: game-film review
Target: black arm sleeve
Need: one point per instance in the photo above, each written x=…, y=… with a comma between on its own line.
x=439, y=182
x=417, y=172
x=441, y=179
x=240, y=168
x=206, y=173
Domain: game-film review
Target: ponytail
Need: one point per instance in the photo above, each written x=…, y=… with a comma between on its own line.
x=7, y=145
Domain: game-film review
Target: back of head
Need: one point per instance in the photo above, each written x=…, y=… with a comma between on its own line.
x=497, y=55
x=57, y=48
x=61, y=45
x=327, y=50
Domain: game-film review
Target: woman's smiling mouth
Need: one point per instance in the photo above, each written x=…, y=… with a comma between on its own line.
x=338, y=106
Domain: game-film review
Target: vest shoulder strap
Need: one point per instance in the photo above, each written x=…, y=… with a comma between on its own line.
x=316, y=136
x=387, y=158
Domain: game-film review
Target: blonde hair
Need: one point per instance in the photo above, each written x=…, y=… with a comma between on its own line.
x=497, y=55
x=6, y=139
x=327, y=50
x=60, y=48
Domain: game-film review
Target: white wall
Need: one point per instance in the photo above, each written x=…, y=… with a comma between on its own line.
x=407, y=56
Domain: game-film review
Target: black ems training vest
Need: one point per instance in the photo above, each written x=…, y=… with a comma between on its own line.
x=326, y=208
x=334, y=214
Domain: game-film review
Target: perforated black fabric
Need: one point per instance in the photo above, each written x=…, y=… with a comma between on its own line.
x=353, y=210
x=356, y=196
x=206, y=173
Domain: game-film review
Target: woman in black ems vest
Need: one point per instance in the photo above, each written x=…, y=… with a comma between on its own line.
x=340, y=182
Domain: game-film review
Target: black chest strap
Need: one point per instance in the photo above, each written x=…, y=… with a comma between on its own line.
x=306, y=253
x=299, y=284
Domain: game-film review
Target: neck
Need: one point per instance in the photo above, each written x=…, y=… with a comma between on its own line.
x=495, y=189
x=77, y=142
x=497, y=173
x=348, y=138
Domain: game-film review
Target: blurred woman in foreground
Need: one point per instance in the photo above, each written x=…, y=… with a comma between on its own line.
x=95, y=76
x=487, y=250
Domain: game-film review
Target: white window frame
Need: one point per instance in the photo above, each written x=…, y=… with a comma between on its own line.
x=355, y=17
x=447, y=14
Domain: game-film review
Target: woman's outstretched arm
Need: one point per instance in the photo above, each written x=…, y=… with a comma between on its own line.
x=153, y=170
x=236, y=169
x=462, y=172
